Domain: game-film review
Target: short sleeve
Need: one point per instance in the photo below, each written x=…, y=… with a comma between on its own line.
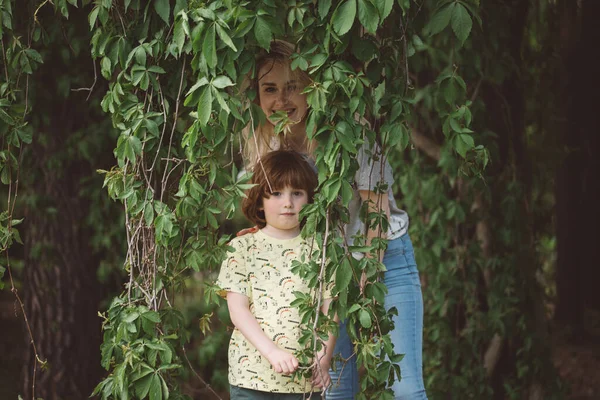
x=373, y=168
x=233, y=276
x=327, y=292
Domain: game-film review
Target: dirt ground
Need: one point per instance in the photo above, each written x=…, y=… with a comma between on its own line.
x=579, y=366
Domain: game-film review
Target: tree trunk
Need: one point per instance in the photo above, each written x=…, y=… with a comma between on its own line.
x=62, y=295
x=61, y=188
x=578, y=180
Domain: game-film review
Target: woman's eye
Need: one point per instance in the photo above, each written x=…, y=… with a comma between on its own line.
x=270, y=90
x=292, y=88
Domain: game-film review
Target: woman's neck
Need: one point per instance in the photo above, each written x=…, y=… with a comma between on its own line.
x=296, y=138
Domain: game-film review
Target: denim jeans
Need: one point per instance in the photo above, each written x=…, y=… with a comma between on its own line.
x=238, y=393
x=404, y=293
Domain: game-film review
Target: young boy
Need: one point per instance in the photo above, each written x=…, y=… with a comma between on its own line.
x=259, y=285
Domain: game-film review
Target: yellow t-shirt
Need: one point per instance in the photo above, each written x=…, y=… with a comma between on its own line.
x=260, y=268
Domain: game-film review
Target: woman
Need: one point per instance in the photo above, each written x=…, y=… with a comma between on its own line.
x=279, y=89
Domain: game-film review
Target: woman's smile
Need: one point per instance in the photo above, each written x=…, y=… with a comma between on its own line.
x=280, y=91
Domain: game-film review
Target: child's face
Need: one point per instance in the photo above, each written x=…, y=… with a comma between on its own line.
x=279, y=90
x=281, y=212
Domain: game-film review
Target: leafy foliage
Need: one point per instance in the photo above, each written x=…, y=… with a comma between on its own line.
x=144, y=51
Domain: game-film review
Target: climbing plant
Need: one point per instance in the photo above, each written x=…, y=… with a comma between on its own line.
x=175, y=72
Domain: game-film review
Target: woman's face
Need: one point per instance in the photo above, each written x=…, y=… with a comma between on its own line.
x=279, y=90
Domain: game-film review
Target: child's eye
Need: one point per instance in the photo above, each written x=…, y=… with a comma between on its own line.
x=298, y=193
x=276, y=194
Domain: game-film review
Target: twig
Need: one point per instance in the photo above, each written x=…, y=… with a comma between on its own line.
x=14, y=290
x=198, y=376
x=177, y=101
x=5, y=61
x=121, y=20
x=319, y=293
x=91, y=88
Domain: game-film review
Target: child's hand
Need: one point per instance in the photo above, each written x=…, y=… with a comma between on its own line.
x=254, y=229
x=282, y=361
x=320, y=376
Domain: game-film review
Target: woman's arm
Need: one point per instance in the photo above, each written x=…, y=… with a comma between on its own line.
x=321, y=378
x=239, y=310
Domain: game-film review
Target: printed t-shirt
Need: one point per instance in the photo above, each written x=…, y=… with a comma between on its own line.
x=260, y=268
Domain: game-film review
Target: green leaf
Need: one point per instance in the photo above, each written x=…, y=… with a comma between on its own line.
x=132, y=316
x=225, y=37
x=221, y=101
x=163, y=9
x=368, y=15
x=2, y=270
x=180, y=5
x=343, y=275
x=133, y=146
x=140, y=55
x=345, y=135
x=441, y=19
x=93, y=16
x=263, y=33
x=192, y=100
x=209, y=49
x=34, y=55
x=152, y=316
x=142, y=386
x=155, y=392
x=156, y=69
x=221, y=82
x=25, y=135
x=205, y=105
x=343, y=17
x=179, y=36
x=324, y=6
x=463, y=143
x=148, y=215
x=365, y=318
x=105, y=67
x=353, y=308
x=384, y=7
x=461, y=22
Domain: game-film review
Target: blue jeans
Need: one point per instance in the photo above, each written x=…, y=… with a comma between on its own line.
x=404, y=293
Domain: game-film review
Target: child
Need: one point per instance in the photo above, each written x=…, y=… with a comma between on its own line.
x=259, y=284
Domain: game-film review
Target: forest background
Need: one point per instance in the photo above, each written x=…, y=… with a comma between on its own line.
x=120, y=124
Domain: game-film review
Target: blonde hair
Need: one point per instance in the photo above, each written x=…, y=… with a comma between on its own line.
x=261, y=140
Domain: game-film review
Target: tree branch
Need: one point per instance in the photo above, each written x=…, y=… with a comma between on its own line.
x=425, y=144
